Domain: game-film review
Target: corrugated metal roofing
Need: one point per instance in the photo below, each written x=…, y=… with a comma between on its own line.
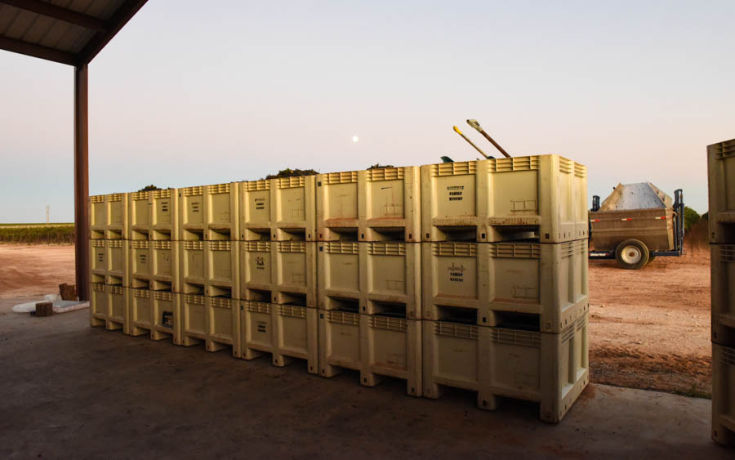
x=62, y=30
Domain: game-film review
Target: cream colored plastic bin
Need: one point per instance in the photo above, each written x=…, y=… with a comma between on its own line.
x=542, y=196
x=296, y=330
x=721, y=172
x=294, y=272
x=192, y=263
x=255, y=210
x=376, y=204
x=98, y=257
x=256, y=326
x=208, y=212
x=165, y=312
x=722, y=265
x=222, y=324
x=97, y=217
x=108, y=262
x=282, y=272
x=339, y=342
x=108, y=216
x=165, y=265
x=375, y=345
x=373, y=273
x=293, y=208
x=392, y=347
x=193, y=319
x=117, y=262
x=552, y=369
x=256, y=270
x=141, y=264
x=222, y=211
x=165, y=214
x=339, y=271
x=192, y=215
x=140, y=312
x=140, y=215
x=118, y=308
x=222, y=269
x=499, y=280
x=723, y=395
x=281, y=209
x=284, y=331
x=98, y=305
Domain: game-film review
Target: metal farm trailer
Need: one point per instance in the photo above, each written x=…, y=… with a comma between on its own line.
x=635, y=224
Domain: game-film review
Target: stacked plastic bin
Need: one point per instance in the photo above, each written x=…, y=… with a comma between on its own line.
x=368, y=233
x=277, y=279
x=721, y=171
x=208, y=266
x=109, y=277
x=470, y=275
x=505, y=290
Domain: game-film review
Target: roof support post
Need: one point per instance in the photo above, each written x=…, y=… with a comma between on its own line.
x=81, y=182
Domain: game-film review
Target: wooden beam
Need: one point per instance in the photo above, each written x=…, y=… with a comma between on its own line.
x=56, y=12
x=81, y=182
x=42, y=52
x=121, y=17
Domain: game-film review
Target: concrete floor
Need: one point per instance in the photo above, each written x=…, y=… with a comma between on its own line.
x=68, y=389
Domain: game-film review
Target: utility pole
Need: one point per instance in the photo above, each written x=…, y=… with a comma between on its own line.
x=48, y=214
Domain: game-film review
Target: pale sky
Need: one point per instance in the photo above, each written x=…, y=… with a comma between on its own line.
x=193, y=93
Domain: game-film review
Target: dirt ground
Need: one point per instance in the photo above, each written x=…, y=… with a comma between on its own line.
x=649, y=329
x=34, y=270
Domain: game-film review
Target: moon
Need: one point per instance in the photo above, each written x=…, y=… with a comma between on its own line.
x=355, y=139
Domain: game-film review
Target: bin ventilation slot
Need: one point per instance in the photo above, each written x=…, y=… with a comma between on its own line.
x=341, y=247
x=194, y=299
x=346, y=177
x=292, y=311
x=291, y=246
x=462, y=331
x=516, y=337
x=380, y=174
x=515, y=250
x=164, y=296
x=387, y=249
x=456, y=249
x=258, y=307
x=343, y=317
x=457, y=168
x=565, y=165
x=502, y=165
x=388, y=323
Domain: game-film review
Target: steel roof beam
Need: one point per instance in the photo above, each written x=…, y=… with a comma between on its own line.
x=118, y=20
x=42, y=52
x=62, y=14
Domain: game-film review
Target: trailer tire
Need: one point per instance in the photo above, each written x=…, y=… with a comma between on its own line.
x=632, y=254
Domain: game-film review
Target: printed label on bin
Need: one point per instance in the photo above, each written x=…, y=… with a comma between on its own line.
x=456, y=273
x=455, y=192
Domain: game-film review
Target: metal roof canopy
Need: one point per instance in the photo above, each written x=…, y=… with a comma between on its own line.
x=70, y=32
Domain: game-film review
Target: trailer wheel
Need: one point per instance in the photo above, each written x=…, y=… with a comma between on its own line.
x=632, y=254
